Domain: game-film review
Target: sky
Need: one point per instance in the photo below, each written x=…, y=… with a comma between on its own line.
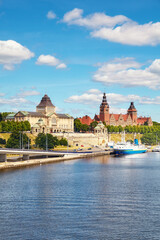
x=74, y=51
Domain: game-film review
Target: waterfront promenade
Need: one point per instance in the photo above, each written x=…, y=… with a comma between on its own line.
x=43, y=157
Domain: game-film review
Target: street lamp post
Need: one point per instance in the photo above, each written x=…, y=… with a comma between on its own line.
x=20, y=140
x=28, y=142
x=46, y=142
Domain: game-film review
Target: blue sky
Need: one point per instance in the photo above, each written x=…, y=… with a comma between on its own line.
x=76, y=50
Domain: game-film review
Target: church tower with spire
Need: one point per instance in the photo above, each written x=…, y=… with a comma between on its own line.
x=104, y=110
x=133, y=113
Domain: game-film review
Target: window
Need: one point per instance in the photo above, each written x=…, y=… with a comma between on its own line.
x=54, y=120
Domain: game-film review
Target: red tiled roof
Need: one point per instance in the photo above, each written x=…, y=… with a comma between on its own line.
x=142, y=120
x=86, y=120
x=125, y=116
x=96, y=117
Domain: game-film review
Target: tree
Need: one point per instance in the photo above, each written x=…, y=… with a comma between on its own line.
x=120, y=128
x=151, y=138
x=18, y=140
x=45, y=141
x=63, y=142
x=2, y=141
x=3, y=115
x=84, y=128
x=77, y=125
x=10, y=126
x=93, y=125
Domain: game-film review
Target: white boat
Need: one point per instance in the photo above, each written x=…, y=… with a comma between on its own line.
x=128, y=148
x=156, y=149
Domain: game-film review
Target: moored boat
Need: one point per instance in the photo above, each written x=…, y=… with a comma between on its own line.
x=156, y=149
x=128, y=148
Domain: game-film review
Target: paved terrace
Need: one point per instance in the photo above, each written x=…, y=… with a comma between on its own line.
x=27, y=153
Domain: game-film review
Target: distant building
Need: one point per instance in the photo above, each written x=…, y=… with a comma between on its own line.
x=130, y=118
x=45, y=119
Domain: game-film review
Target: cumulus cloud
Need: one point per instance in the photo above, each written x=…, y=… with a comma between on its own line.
x=131, y=34
x=61, y=66
x=51, y=15
x=20, y=101
x=118, y=28
x=95, y=20
x=50, y=61
x=92, y=97
x=12, y=53
x=15, y=101
x=28, y=93
x=129, y=73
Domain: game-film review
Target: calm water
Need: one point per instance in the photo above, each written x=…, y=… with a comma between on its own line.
x=98, y=198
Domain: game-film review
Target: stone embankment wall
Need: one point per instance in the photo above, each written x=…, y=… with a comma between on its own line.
x=85, y=139
x=32, y=162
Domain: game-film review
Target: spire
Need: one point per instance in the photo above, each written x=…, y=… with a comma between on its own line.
x=132, y=107
x=104, y=100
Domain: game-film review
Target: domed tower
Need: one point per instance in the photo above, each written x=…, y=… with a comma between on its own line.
x=133, y=113
x=45, y=106
x=104, y=110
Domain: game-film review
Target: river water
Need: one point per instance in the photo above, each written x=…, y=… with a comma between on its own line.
x=113, y=198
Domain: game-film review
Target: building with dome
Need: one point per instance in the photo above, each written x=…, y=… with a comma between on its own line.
x=130, y=118
x=45, y=119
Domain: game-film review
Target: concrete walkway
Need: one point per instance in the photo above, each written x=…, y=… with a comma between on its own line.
x=25, y=163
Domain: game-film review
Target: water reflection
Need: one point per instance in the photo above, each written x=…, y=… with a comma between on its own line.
x=93, y=198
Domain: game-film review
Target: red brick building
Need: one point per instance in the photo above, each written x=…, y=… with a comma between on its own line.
x=130, y=118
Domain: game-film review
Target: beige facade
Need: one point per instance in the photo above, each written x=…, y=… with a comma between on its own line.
x=45, y=119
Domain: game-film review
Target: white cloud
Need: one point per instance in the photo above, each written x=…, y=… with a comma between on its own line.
x=28, y=93
x=58, y=110
x=118, y=28
x=15, y=101
x=12, y=53
x=61, y=66
x=47, y=60
x=95, y=20
x=50, y=61
x=22, y=100
x=131, y=34
x=94, y=91
x=51, y=15
x=114, y=99
x=128, y=73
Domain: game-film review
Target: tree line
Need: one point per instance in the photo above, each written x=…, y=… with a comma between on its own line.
x=10, y=126
x=20, y=140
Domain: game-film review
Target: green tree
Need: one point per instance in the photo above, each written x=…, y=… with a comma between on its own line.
x=45, y=141
x=120, y=128
x=93, y=125
x=84, y=128
x=17, y=140
x=63, y=142
x=3, y=115
x=151, y=138
x=2, y=141
x=77, y=125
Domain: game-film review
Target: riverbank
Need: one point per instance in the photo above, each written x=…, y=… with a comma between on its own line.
x=18, y=164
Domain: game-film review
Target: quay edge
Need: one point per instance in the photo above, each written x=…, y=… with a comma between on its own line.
x=32, y=162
